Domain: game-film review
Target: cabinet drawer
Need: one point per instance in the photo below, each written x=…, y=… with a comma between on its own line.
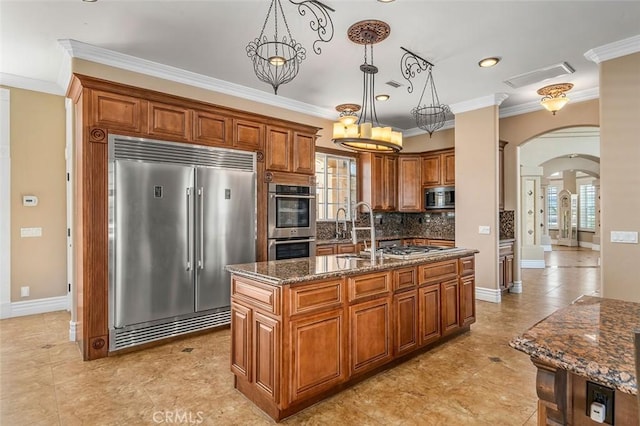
x=439, y=271
x=257, y=294
x=505, y=249
x=324, y=250
x=404, y=279
x=368, y=285
x=467, y=265
x=346, y=248
x=312, y=297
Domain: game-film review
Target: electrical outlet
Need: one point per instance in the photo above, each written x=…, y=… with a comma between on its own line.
x=485, y=230
x=30, y=232
x=24, y=291
x=603, y=395
x=629, y=237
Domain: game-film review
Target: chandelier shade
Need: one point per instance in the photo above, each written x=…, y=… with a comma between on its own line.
x=554, y=96
x=277, y=57
x=366, y=134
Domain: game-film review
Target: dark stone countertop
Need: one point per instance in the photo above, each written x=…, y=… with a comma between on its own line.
x=293, y=271
x=592, y=337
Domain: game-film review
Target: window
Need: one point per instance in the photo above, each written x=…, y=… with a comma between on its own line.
x=336, y=180
x=587, y=208
x=552, y=207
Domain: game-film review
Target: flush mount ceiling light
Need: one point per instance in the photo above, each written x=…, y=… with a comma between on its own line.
x=431, y=115
x=348, y=114
x=382, y=97
x=276, y=59
x=554, y=97
x=366, y=134
x=488, y=62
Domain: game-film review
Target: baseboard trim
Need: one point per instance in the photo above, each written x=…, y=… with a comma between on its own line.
x=488, y=294
x=532, y=264
x=5, y=310
x=38, y=306
x=517, y=287
x=547, y=247
x=595, y=247
x=585, y=244
x=72, y=330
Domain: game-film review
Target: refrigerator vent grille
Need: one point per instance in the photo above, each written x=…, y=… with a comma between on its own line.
x=190, y=155
x=124, y=338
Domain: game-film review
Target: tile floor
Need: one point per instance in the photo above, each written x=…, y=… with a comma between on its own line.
x=474, y=379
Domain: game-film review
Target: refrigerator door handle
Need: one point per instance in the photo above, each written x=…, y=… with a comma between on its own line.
x=189, y=251
x=201, y=242
x=304, y=197
x=276, y=243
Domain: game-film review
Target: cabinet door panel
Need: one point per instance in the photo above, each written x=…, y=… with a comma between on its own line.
x=409, y=184
x=116, y=111
x=448, y=164
x=346, y=248
x=390, y=182
x=405, y=306
x=304, y=153
x=508, y=270
x=212, y=129
x=467, y=300
x=429, y=308
x=450, y=305
x=241, y=341
x=248, y=135
x=431, y=170
x=278, y=149
x=267, y=355
x=326, y=249
x=318, y=360
x=370, y=334
x=169, y=121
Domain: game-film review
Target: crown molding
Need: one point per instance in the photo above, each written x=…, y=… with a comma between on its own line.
x=34, y=84
x=416, y=131
x=578, y=96
x=614, y=50
x=477, y=103
x=80, y=50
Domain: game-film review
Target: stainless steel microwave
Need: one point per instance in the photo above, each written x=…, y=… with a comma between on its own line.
x=443, y=197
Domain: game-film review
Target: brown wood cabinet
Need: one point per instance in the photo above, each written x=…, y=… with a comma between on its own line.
x=409, y=184
x=339, y=248
x=105, y=108
x=289, y=151
x=378, y=180
x=439, y=168
x=294, y=344
x=505, y=265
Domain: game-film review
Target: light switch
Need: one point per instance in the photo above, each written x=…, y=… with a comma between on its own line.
x=483, y=229
x=30, y=232
x=627, y=237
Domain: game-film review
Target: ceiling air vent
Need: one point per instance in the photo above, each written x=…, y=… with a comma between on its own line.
x=393, y=84
x=540, y=75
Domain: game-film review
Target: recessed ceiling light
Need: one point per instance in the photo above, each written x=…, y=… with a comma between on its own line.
x=89, y=1
x=386, y=1
x=382, y=98
x=488, y=62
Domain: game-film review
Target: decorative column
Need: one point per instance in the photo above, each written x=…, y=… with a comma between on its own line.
x=545, y=239
x=596, y=235
x=5, y=205
x=531, y=220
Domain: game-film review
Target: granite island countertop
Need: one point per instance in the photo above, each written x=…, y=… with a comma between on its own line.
x=592, y=337
x=378, y=239
x=293, y=271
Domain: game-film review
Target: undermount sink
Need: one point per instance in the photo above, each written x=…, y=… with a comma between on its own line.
x=349, y=256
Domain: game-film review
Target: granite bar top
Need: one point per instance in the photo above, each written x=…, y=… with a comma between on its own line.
x=386, y=238
x=293, y=271
x=592, y=337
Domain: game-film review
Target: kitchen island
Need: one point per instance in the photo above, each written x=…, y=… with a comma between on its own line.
x=303, y=329
x=589, y=341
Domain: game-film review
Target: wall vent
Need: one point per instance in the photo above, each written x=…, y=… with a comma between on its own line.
x=539, y=75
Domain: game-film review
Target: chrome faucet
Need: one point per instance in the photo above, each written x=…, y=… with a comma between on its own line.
x=354, y=229
x=343, y=233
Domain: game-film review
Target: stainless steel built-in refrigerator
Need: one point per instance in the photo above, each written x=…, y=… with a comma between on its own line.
x=179, y=213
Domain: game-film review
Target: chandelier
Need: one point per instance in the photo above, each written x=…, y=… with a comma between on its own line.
x=366, y=134
x=431, y=115
x=277, y=58
x=554, y=97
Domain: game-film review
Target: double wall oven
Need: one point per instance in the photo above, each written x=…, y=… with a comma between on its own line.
x=291, y=221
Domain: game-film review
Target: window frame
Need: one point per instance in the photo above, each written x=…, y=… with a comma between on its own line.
x=548, y=203
x=582, y=198
x=334, y=153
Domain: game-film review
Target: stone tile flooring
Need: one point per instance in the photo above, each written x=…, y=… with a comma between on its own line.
x=475, y=379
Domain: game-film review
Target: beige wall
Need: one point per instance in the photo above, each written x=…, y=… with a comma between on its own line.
x=440, y=140
x=38, y=168
x=476, y=148
x=620, y=180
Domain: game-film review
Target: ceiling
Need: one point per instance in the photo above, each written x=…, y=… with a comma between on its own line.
x=209, y=38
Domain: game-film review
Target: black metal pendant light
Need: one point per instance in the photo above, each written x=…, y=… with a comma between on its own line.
x=277, y=57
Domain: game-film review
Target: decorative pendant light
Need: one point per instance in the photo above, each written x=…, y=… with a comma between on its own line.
x=276, y=59
x=554, y=97
x=366, y=134
x=431, y=115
